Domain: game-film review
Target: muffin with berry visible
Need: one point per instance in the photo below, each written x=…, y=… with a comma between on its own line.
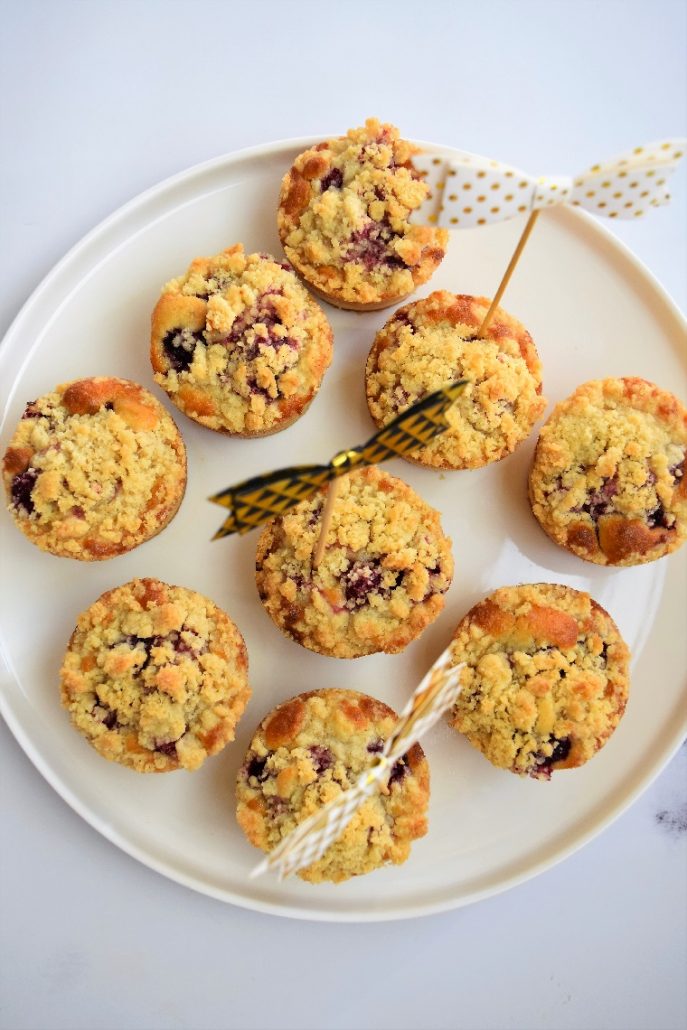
x=238, y=344
x=381, y=580
x=546, y=678
x=309, y=750
x=432, y=342
x=344, y=219
x=155, y=676
x=608, y=478
x=94, y=469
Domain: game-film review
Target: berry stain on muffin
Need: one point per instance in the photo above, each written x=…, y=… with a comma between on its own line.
x=94, y=469
x=382, y=577
x=155, y=676
x=432, y=342
x=608, y=477
x=546, y=678
x=309, y=750
x=344, y=219
x=238, y=344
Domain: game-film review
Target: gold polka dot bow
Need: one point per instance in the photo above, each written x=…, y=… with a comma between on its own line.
x=261, y=498
x=472, y=190
x=311, y=838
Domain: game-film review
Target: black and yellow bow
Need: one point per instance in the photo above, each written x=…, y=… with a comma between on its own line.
x=261, y=498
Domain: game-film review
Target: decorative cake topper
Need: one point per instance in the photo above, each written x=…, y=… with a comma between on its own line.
x=325, y=521
x=261, y=498
x=311, y=838
x=470, y=191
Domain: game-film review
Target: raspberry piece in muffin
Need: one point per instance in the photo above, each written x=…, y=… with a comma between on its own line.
x=304, y=754
x=432, y=342
x=546, y=678
x=608, y=478
x=238, y=344
x=382, y=577
x=343, y=219
x=94, y=469
x=155, y=676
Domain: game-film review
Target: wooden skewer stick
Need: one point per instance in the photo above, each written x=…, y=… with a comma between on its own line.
x=334, y=486
x=327, y=512
x=508, y=273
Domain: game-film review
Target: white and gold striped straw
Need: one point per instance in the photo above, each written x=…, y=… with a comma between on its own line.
x=311, y=838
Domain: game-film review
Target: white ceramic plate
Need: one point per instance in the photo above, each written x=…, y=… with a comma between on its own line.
x=593, y=310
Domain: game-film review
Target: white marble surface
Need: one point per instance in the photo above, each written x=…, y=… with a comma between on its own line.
x=101, y=100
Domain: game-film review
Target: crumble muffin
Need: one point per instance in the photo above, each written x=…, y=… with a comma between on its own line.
x=94, y=469
x=432, y=342
x=155, y=676
x=546, y=678
x=305, y=753
x=343, y=219
x=380, y=583
x=238, y=344
x=608, y=477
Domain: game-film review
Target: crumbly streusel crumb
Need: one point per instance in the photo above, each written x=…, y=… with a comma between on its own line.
x=546, y=678
x=382, y=577
x=432, y=342
x=305, y=753
x=608, y=479
x=155, y=676
x=94, y=469
x=344, y=215
x=238, y=343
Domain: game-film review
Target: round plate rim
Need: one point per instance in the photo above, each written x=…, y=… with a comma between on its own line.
x=290, y=910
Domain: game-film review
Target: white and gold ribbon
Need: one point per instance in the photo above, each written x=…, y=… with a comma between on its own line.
x=311, y=838
x=471, y=191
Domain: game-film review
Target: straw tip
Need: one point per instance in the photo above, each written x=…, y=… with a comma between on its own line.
x=259, y=869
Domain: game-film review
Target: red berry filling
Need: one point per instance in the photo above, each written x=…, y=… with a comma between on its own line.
x=543, y=764
x=179, y=346
x=22, y=487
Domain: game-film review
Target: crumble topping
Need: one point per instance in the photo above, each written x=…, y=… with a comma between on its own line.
x=608, y=478
x=94, y=469
x=155, y=676
x=385, y=568
x=344, y=217
x=238, y=344
x=432, y=342
x=546, y=678
x=305, y=753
